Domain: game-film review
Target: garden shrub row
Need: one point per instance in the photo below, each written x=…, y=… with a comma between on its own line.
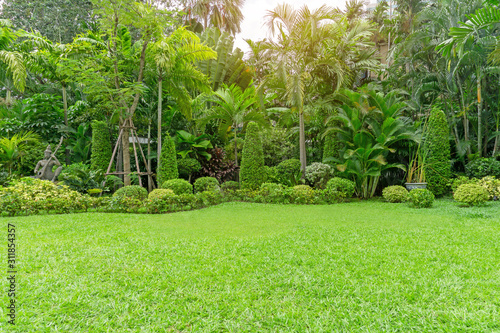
x=32, y=196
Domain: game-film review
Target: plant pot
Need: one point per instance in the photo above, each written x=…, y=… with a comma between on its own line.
x=412, y=186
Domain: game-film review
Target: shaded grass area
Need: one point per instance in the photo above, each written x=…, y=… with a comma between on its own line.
x=357, y=267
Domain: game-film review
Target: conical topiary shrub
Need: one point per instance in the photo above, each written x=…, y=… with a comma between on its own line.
x=252, y=173
x=437, y=156
x=168, y=162
x=101, y=146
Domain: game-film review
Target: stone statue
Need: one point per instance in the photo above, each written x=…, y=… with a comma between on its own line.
x=43, y=169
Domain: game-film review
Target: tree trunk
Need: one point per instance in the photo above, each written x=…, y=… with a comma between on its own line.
x=302, y=143
x=8, y=98
x=235, y=146
x=150, y=185
x=65, y=106
x=126, y=154
x=479, y=117
x=160, y=103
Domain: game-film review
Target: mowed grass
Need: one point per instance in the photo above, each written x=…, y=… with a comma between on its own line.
x=240, y=267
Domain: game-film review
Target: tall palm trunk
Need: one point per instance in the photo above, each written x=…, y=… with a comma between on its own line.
x=235, y=146
x=65, y=106
x=302, y=143
x=160, y=103
x=150, y=184
x=479, y=115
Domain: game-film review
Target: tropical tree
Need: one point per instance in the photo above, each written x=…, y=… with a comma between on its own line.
x=175, y=57
x=12, y=59
x=233, y=107
x=223, y=14
x=368, y=125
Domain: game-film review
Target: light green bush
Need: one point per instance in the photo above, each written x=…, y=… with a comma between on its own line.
x=131, y=191
x=395, y=194
x=318, y=174
x=421, y=198
x=345, y=187
x=471, y=194
x=178, y=186
x=209, y=184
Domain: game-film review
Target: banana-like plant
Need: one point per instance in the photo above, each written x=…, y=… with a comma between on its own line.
x=11, y=149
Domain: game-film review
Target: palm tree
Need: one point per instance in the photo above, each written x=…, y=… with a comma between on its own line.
x=233, y=108
x=175, y=57
x=296, y=50
x=223, y=14
x=12, y=59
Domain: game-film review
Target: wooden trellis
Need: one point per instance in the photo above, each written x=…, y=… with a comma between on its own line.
x=135, y=138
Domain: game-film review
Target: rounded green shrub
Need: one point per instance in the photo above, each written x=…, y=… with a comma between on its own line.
x=131, y=191
x=287, y=169
x=252, y=162
x=421, y=198
x=395, y=194
x=491, y=184
x=187, y=166
x=456, y=182
x=161, y=194
x=101, y=146
x=437, y=164
x=345, y=186
x=203, y=184
x=471, y=194
x=483, y=167
x=230, y=186
x=167, y=168
x=270, y=188
x=303, y=194
x=318, y=174
x=178, y=186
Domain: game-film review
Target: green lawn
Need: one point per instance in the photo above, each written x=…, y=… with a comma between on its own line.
x=356, y=267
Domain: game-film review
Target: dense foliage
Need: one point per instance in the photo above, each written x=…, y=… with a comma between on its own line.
x=395, y=194
x=101, y=146
x=178, y=186
x=437, y=153
x=168, y=162
x=471, y=194
x=252, y=162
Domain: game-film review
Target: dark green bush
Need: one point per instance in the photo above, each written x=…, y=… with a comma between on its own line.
x=276, y=145
x=179, y=186
x=188, y=166
x=209, y=184
x=230, y=186
x=471, y=194
x=80, y=177
x=132, y=191
x=330, y=149
x=483, y=167
x=395, y=194
x=252, y=163
x=437, y=164
x=101, y=146
x=421, y=198
x=345, y=187
x=168, y=162
x=289, y=172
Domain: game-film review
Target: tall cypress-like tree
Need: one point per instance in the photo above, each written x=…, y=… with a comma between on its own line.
x=167, y=168
x=437, y=153
x=252, y=173
x=101, y=146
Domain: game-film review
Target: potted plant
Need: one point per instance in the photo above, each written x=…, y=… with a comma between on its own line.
x=415, y=177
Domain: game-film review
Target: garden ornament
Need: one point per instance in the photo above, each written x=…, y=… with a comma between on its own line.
x=43, y=169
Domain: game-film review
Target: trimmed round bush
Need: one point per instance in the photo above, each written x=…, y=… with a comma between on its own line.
x=252, y=159
x=303, y=194
x=318, y=174
x=421, y=198
x=187, y=166
x=230, y=186
x=345, y=186
x=471, y=194
x=395, y=194
x=288, y=168
x=161, y=193
x=270, y=188
x=131, y=191
x=203, y=184
x=178, y=186
x=483, y=167
x=491, y=184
